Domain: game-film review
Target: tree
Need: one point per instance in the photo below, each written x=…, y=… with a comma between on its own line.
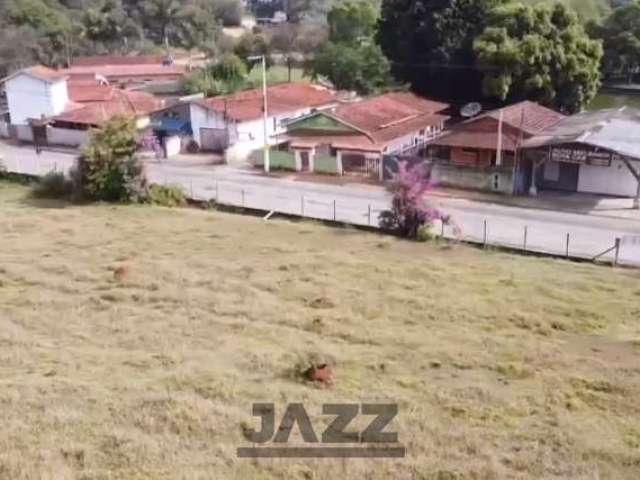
x=410, y=211
x=362, y=68
x=430, y=44
x=620, y=34
x=226, y=76
x=538, y=52
x=109, y=169
x=229, y=12
x=160, y=17
x=106, y=24
x=352, y=22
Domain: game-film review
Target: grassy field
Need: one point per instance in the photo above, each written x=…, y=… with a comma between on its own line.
x=275, y=75
x=504, y=367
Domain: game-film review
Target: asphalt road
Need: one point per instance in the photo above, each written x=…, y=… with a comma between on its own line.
x=546, y=230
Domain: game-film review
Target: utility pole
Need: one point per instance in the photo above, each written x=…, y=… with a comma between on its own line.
x=267, y=158
x=265, y=110
x=499, y=146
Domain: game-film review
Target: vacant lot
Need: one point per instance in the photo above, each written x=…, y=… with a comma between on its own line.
x=134, y=340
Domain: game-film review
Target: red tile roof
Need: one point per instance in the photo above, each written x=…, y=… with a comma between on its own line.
x=529, y=116
x=391, y=116
x=122, y=102
x=381, y=120
x=101, y=60
x=522, y=120
x=40, y=72
x=282, y=99
x=90, y=92
x=127, y=71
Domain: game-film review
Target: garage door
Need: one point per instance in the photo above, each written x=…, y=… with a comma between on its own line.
x=214, y=139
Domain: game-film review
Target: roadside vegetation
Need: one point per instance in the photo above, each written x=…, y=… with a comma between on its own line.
x=135, y=340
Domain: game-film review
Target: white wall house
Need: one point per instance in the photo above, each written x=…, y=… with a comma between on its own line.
x=35, y=92
x=234, y=124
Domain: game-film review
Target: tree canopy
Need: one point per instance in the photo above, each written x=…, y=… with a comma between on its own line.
x=538, y=52
x=620, y=33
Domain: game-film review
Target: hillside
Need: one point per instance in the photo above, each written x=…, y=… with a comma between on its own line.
x=134, y=341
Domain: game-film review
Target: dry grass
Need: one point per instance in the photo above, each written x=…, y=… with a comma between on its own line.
x=133, y=341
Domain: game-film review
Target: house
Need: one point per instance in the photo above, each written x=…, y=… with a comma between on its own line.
x=128, y=71
x=48, y=107
x=352, y=138
x=482, y=153
x=235, y=124
x=592, y=152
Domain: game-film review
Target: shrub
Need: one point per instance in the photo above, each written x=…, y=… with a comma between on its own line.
x=409, y=211
x=167, y=196
x=53, y=185
x=109, y=169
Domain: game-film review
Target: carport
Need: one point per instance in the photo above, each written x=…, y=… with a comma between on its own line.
x=592, y=152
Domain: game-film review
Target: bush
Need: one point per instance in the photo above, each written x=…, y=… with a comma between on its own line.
x=109, y=170
x=409, y=214
x=167, y=196
x=53, y=185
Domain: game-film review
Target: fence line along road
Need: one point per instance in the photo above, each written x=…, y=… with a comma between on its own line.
x=346, y=206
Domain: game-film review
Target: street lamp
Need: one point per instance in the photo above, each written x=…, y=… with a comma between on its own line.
x=266, y=155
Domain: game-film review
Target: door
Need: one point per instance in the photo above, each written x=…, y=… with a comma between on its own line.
x=304, y=160
x=561, y=176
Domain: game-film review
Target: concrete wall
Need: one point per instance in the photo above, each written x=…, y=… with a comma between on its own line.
x=24, y=133
x=29, y=97
x=172, y=145
x=473, y=178
x=204, y=118
x=613, y=180
x=68, y=137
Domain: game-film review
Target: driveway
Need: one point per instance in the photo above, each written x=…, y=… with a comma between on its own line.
x=547, y=231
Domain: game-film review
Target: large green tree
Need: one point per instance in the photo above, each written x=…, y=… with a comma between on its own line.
x=361, y=68
x=351, y=59
x=352, y=22
x=620, y=33
x=538, y=52
x=430, y=44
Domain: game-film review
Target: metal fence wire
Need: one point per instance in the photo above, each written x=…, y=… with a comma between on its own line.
x=489, y=232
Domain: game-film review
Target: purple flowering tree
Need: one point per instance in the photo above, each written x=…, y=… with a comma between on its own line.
x=148, y=142
x=410, y=210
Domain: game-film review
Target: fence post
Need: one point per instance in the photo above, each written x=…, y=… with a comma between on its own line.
x=242, y=197
x=485, y=233
x=617, y=256
x=334, y=210
x=217, y=193
x=568, y=240
x=442, y=228
x=369, y=216
x=191, y=187
x=526, y=234
x=302, y=206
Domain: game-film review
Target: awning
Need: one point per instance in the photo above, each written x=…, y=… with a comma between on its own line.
x=172, y=126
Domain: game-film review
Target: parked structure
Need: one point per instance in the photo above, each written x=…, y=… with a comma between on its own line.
x=595, y=152
x=234, y=124
x=47, y=107
x=353, y=137
x=481, y=153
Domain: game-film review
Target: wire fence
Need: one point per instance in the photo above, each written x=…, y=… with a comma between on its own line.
x=492, y=231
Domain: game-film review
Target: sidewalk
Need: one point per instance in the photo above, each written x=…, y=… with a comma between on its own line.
x=581, y=203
